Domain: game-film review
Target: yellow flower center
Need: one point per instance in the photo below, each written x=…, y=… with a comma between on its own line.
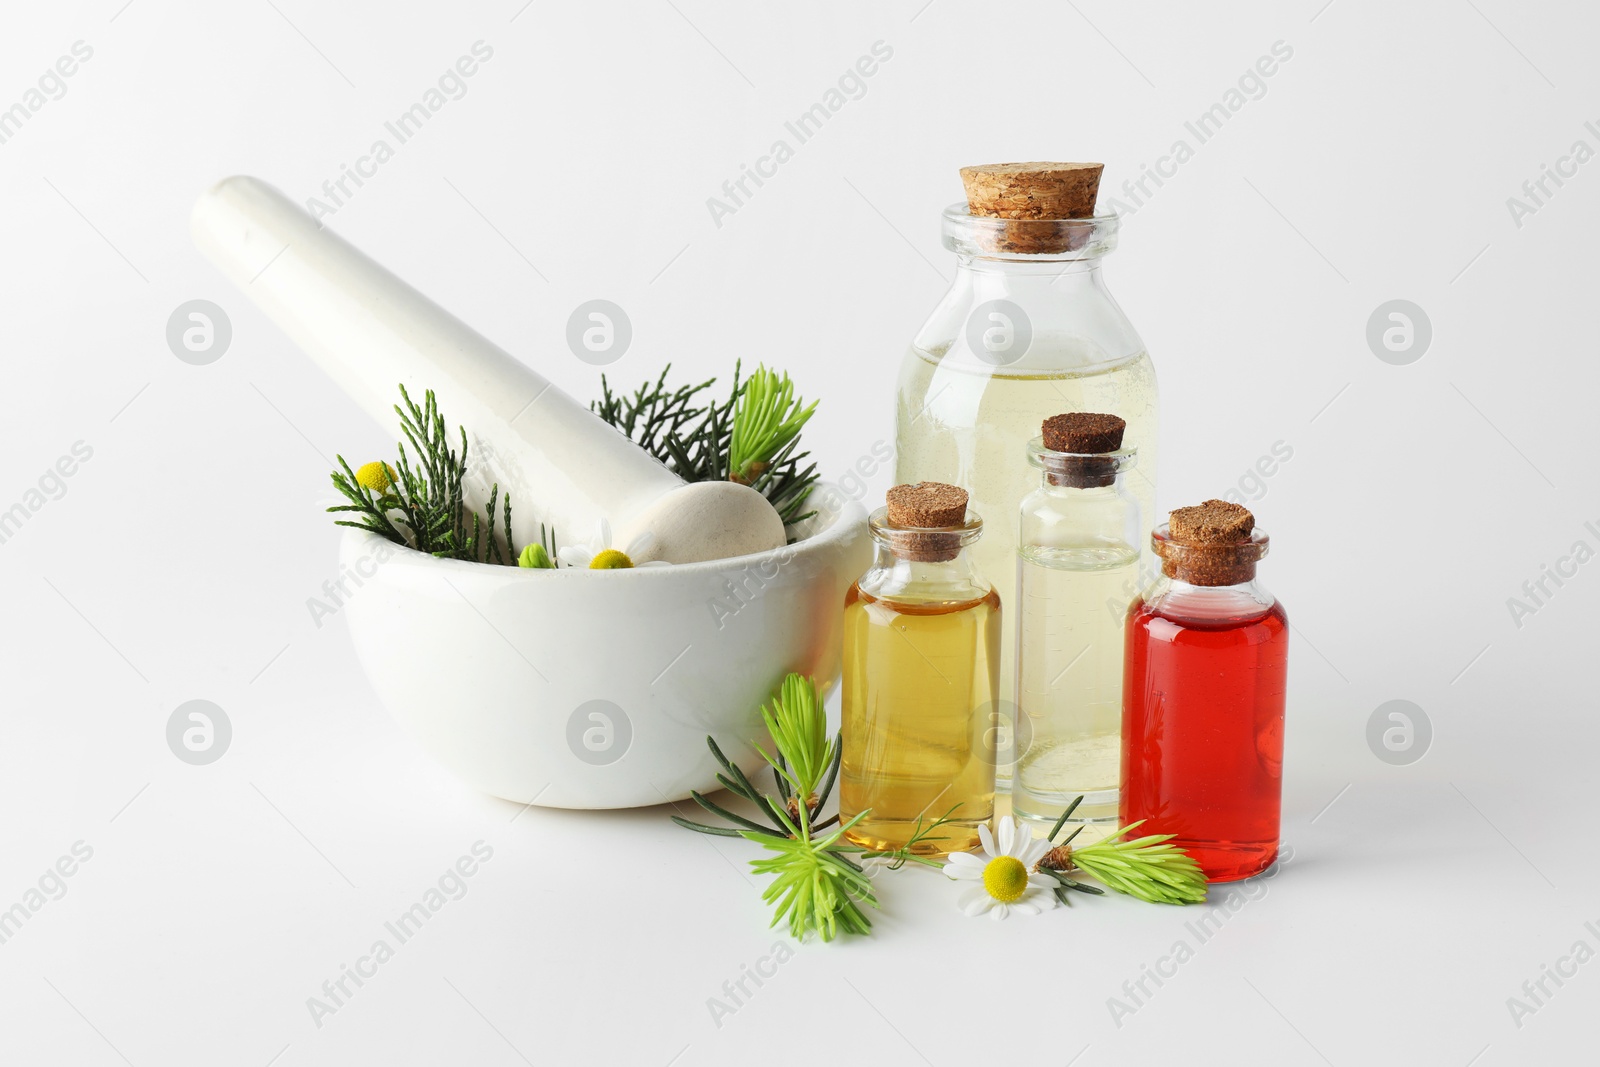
x=610, y=560
x=1005, y=878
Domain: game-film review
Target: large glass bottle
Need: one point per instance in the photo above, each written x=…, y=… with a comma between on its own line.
x=921, y=652
x=1027, y=329
x=1203, y=695
x=1077, y=560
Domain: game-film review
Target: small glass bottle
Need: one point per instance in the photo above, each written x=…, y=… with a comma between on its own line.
x=1077, y=572
x=1203, y=695
x=921, y=652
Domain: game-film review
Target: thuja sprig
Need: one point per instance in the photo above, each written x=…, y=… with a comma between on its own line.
x=1150, y=867
x=751, y=437
x=419, y=502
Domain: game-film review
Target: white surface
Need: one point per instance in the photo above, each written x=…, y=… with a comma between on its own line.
x=178, y=563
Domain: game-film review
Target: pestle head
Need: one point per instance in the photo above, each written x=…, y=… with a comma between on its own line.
x=704, y=521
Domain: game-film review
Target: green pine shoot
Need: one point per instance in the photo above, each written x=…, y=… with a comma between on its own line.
x=799, y=728
x=766, y=417
x=815, y=885
x=1147, y=867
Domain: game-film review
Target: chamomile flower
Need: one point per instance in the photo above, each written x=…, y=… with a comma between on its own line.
x=1000, y=880
x=599, y=555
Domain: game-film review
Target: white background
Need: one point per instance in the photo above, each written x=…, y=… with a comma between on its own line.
x=178, y=563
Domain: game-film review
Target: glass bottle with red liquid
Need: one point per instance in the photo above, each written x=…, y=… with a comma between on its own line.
x=1203, y=695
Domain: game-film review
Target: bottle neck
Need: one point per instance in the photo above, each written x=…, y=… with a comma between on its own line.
x=1031, y=281
x=901, y=578
x=1182, y=601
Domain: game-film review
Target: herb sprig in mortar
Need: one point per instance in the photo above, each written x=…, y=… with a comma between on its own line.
x=753, y=437
x=421, y=506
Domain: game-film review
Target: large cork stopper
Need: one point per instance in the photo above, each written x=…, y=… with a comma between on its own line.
x=1083, y=434
x=1040, y=197
x=928, y=517
x=1032, y=190
x=1213, y=543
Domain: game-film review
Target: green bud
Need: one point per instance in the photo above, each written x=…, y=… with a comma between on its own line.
x=535, y=556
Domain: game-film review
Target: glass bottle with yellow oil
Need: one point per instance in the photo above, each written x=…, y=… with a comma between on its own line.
x=1027, y=329
x=921, y=676
x=1077, y=567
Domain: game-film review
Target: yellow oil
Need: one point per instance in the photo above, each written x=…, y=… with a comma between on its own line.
x=919, y=694
x=967, y=423
x=1073, y=605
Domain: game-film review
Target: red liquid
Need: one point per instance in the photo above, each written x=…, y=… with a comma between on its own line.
x=1202, y=731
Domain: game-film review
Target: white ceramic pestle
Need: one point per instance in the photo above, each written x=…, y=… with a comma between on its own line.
x=369, y=330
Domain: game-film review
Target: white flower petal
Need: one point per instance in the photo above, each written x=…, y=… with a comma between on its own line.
x=965, y=859
x=640, y=545
x=1026, y=907
x=1005, y=832
x=575, y=555
x=1000, y=910
x=987, y=838
x=963, y=874
x=974, y=900
x=605, y=536
x=1042, y=881
x=1034, y=852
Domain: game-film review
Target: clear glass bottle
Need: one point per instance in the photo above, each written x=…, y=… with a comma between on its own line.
x=1019, y=336
x=1077, y=567
x=1203, y=699
x=921, y=658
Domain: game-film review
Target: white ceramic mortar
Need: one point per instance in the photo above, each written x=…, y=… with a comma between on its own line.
x=596, y=689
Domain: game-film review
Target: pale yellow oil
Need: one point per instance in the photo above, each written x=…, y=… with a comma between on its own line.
x=1073, y=604
x=968, y=424
x=918, y=704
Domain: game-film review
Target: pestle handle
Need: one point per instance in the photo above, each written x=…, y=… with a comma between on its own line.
x=369, y=330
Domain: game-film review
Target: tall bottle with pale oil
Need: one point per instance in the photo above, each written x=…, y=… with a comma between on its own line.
x=1028, y=329
x=1077, y=562
x=921, y=671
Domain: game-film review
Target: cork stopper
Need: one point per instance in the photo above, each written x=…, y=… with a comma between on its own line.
x=1215, y=522
x=927, y=505
x=1213, y=543
x=1083, y=433
x=927, y=518
x=1032, y=190
x=1039, y=197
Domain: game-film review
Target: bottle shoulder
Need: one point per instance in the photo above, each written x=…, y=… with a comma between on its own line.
x=922, y=601
x=1221, y=608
